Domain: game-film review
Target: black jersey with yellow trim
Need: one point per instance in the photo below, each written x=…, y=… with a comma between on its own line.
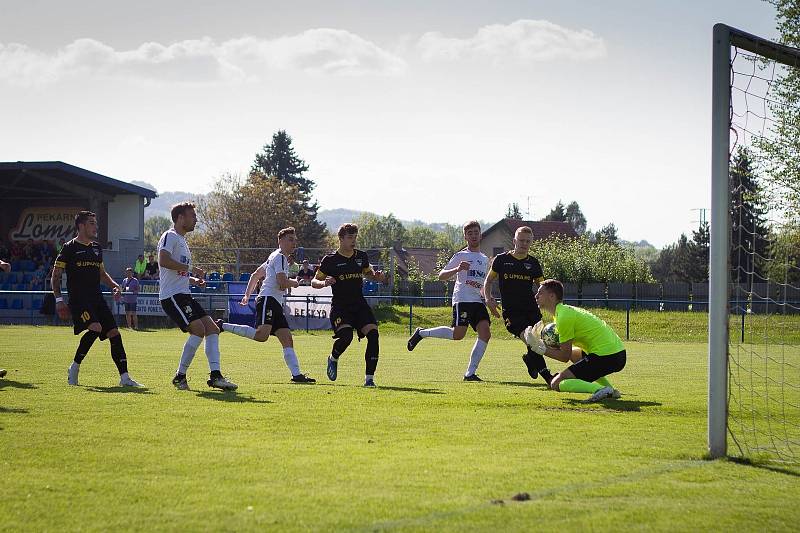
x=516, y=278
x=83, y=264
x=349, y=274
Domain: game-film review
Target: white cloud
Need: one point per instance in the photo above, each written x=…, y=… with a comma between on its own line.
x=520, y=41
x=316, y=51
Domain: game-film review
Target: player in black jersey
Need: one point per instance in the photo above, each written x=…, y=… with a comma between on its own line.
x=345, y=271
x=5, y=267
x=519, y=274
x=82, y=259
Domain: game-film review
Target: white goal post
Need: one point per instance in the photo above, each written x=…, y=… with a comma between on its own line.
x=725, y=38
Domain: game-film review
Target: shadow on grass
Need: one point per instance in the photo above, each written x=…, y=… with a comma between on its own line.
x=229, y=396
x=763, y=465
x=411, y=389
x=118, y=389
x=14, y=410
x=16, y=384
x=616, y=405
x=530, y=384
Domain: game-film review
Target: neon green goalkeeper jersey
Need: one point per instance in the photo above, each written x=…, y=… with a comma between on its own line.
x=586, y=331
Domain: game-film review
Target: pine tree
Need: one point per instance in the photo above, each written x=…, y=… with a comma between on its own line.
x=279, y=161
x=557, y=214
x=749, y=232
x=699, y=254
x=514, y=212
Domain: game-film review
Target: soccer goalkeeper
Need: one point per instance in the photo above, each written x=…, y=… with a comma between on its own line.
x=594, y=349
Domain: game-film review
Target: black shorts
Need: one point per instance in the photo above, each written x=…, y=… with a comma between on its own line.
x=594, y=366
x=357, y=315
x=469, y=314
x=270, y=313
x=517, y=321
x=183, y=310
x=130, y=308
x=86, y=312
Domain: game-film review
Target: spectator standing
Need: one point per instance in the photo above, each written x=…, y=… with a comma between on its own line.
x=140, y=266
x=130, y=296
x=151, y=270
x=305, y=274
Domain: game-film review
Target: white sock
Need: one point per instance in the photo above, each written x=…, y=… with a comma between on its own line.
x=189, y=349
x=212, y=351
x=369, y=377
x=123, y=376
x=291, y=360
x=442, y=332
x=475, y=357
x=238, y=329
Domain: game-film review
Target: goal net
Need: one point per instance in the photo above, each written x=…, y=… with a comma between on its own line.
x=754, y=312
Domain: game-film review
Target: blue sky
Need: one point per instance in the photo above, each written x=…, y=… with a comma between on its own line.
x=441, y=111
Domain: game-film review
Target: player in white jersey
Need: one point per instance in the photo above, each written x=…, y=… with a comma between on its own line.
x=176, y=274
x=270, y=318
x=469, y=266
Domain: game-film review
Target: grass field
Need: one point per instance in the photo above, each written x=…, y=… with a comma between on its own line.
x=424, y=451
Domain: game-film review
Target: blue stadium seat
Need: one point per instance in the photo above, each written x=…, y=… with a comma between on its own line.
x=37, y=304
x=227, y=276
x=196, y=289
x=16, y=303
x=244, y=276
x=27, y=277
x=3, y=277
x=15, y=277
x=15, y=265
x=19, y=287
x=27, y=265
x=3, y=303
x=5, y=287
x=214, y=276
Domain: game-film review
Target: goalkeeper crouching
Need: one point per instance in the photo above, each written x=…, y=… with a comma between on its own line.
x=594, y=349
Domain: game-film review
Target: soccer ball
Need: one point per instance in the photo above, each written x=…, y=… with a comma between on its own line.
x=550, y=335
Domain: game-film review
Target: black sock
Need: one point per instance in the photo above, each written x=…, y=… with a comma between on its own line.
x=84, y=345
x=118, y=354
x=343, y=339
x=535, y=362
x=371, y=354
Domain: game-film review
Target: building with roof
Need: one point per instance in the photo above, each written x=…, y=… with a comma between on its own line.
x=499, y=237
x=39, y=200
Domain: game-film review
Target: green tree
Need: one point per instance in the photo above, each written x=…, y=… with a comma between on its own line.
x=699, y=254
x=607, y=234
x=379, y=232
x=781, y=149
x=154, y=227
x=279, y=161
x=420, y=237
x=514, y=212
x=749, y=231
x=583, y=261
x=575, y=217
x=248, y=214
x=558, y=213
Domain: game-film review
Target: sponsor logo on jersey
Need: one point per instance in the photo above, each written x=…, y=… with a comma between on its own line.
x=269, y=313
x=463, y=314
x=187, y=309
x=527, y=266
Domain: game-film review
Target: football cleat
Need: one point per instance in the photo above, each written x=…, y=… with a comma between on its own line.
x=370, y=383
x=302, y=378
x=472, y=377
x=72, y=373
x=219, y=381
x=616, y=395
x=528, y=363
x=219, y=323
x=332, y=368
x=414, y=339
x=180, y=382
x=2, y=372
x=602, y=394
x=127, y=381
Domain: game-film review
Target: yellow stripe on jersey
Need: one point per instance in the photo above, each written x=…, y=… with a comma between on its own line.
x=61, y=264
x=320, y=275
x=540, y=279
x=492, y=275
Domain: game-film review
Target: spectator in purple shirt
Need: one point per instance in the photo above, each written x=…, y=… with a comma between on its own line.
x=130, y=294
